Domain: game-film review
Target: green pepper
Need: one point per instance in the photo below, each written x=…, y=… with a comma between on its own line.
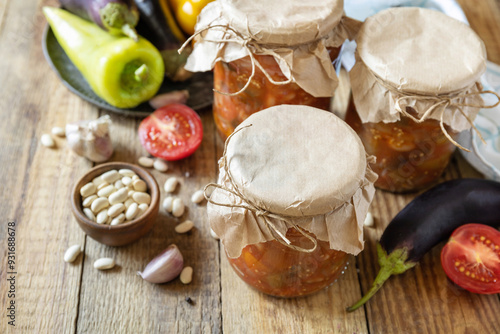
x=121, y=71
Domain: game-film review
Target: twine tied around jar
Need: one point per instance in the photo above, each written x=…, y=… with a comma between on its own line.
x=442, y=101
x=247, y=43
x=261, y=212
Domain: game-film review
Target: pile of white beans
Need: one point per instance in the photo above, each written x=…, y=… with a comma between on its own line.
x=115, y=197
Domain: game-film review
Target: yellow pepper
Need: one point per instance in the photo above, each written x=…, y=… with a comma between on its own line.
x=121, y=71
x=187, y=11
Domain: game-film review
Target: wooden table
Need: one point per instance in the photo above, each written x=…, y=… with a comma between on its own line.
x=52, y=296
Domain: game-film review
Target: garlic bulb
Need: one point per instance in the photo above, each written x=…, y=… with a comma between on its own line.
x=164, y=267
x=91, y=139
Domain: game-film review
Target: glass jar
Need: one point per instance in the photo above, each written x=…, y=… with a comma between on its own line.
x=278, y=270
x=230, y=111
x=289, y=228
x=415, y=87
x=290, y=45
x=410, y=155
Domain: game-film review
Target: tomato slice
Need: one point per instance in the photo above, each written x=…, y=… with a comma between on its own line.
x=171, y=132
x=471, y=258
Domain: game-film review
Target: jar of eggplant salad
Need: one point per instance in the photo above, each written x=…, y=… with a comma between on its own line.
x=267, y=53
x=289, y=214
x=415, y=87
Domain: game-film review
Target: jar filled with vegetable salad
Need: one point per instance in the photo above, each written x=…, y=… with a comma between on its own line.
x=289, y=215
x=415, y=87
x=267, y=53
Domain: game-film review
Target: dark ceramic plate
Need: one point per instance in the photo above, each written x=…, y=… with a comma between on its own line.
x=199, y=86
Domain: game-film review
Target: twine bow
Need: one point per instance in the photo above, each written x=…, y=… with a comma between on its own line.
x=442, y=101
x=249, y=44
x=260, y=212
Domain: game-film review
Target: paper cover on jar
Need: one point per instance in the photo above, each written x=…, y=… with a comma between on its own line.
x=296, y=33
x=292, y=165
x=419, y=58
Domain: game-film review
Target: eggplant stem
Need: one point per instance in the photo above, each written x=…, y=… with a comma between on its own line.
x=130, y=32
x=382, y=276
x=390, y=264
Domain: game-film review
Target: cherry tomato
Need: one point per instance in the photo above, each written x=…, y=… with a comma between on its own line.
x=471, y=258
x=172, y=132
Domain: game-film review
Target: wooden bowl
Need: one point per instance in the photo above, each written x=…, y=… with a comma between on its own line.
x=116, y=235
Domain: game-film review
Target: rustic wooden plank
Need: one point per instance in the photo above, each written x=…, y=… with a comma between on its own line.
x=484, y=18
x=132, y=305
x=36, y=180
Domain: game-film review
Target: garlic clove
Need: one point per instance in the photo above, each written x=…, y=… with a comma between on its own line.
x=164, y=267
x=91, y=139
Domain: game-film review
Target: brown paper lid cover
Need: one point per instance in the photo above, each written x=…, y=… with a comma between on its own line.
x=421, y=51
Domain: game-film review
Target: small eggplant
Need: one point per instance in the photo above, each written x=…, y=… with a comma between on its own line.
x=116, y=16
x=159, y=26
x=429, y=219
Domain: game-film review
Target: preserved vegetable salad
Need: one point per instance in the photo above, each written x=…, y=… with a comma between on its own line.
x=277, y=270
x=410, y=155
x=230, y=111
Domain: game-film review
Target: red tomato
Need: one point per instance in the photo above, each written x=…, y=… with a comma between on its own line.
x=172, y=132
x=471, y=258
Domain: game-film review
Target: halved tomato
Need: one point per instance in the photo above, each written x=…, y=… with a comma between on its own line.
x=172, y=132
x=471, y=258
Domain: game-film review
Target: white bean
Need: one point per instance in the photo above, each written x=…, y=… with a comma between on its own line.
x=167, y=203
x=90, y=215
x=119, y=184
x=58, y=131
x=126, y=180
x=186, y=275
x=135, y=177
x=118, y=219
x=106, y=191
x=214, y=235
x=72, y=253
x=102, y=185
x=47, y=141
x=184, y=227
x=198, y=197
x=104, y=263
x=98, y=181
x=130, y=193
x=116, y=209
x=160, y=165
x=99, y=204
x=170, y=184
x=128, y=202
x=146, y=162
x=369, y=220
x=132, y=211
x=111, y=176
x=102, y=217
x=126, y=172
x=88, y=189
x=140, y=185
x=177, y=207
x=142, y=208
x=141, y=197
x=118, y=196
x=87, y=201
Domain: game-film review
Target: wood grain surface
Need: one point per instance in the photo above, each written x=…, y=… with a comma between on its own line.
x=52, y=296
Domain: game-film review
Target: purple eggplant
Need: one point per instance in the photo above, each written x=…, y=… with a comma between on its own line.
x=161, y=29
x=430, y=219
x=116, y=16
